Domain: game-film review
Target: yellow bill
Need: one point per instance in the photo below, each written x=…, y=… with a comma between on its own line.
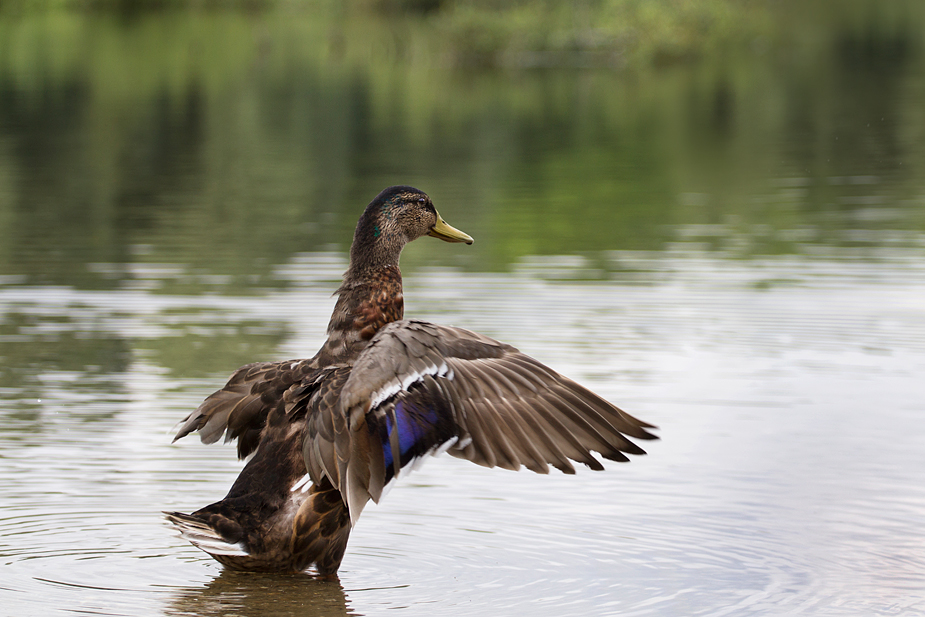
x=448, y=233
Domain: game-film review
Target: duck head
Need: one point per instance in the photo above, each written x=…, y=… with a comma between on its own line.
x=397, y=215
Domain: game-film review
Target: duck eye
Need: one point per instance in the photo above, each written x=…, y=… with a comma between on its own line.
x=421, y=200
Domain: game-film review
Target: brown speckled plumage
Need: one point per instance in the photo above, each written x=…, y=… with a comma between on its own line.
x=327, y=434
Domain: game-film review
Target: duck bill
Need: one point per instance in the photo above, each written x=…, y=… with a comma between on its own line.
x=448, y=233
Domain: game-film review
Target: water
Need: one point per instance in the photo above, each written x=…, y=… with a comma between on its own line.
x=787, y=480
x=748, y=285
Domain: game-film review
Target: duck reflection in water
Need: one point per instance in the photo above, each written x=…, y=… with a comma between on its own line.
x=330, y=433
x=254, y=593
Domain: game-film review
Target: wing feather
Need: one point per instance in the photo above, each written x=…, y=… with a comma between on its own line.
x=526, y=440
x=239, y=410
x=416, y=385
x=325, y=426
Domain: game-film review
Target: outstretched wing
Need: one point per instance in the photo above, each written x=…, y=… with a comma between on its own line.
x=239, y=410
x=419, y=387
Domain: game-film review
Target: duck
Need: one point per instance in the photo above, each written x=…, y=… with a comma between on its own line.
x=325, y=436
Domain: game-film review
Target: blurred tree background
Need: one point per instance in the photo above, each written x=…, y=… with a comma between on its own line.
x=228, y=136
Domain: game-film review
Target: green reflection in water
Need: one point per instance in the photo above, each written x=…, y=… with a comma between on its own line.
x=32, y=347
x=199, y=351
x=227, y=141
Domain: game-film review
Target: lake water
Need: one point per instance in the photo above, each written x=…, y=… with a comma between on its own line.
x=734, y=252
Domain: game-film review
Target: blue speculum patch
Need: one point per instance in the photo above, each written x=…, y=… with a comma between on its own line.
x=413, y=424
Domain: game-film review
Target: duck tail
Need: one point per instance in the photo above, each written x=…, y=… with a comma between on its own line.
x=198, y=532
x=316, y=534
x=272, y=520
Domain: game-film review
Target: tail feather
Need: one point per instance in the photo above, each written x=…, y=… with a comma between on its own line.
x=198, y=533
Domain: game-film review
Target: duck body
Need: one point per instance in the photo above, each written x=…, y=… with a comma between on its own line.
x=328, y=434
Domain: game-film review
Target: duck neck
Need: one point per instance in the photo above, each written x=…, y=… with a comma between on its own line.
x=367, y=300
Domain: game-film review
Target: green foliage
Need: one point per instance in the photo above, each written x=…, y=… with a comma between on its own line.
x=489, y=33
x=603, y=32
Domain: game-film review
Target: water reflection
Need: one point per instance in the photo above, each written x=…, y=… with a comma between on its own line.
x=253, y=594
x=247, y=153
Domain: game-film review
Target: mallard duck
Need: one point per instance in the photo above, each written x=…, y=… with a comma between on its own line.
x=328, y=434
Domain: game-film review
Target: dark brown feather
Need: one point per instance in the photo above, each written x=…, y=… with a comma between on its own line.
x=239, y=410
